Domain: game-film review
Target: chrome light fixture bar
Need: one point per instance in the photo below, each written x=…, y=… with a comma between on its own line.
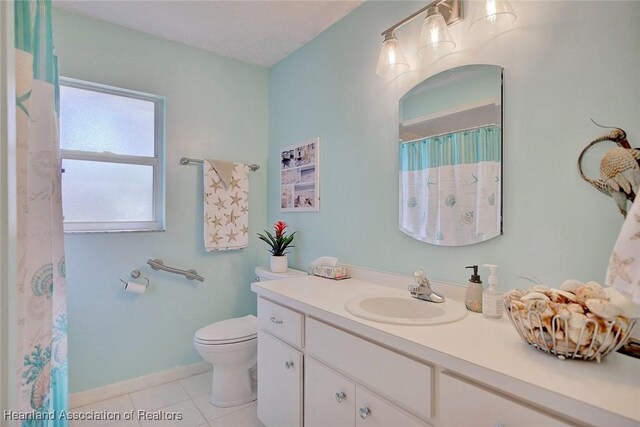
x=435, y=36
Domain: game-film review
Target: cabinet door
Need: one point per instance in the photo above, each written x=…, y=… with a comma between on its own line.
x=465, y=404
x=329, y=399
x=372, y=411
x=279, y=383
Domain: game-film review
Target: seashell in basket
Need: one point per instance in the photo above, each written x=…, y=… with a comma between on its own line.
x=590, y=290
x=571, y=285
x=628, y=308
x=551, y=319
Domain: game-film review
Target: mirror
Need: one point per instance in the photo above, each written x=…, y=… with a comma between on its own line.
x=451, y=157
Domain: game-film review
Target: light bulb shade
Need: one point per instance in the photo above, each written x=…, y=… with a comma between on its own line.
x=391, y=61
x=492, y=16
x=435, y=37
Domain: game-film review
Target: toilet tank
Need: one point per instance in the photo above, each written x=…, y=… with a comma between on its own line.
x=264, y=274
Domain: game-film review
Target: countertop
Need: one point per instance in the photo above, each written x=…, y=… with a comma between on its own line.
x=488, y=351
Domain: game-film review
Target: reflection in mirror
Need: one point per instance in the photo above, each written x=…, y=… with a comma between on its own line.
x=451, y=157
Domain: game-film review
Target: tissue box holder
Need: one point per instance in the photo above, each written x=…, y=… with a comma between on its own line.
x=339, y=272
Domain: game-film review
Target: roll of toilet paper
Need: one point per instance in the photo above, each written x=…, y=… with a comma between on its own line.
x=134, y=288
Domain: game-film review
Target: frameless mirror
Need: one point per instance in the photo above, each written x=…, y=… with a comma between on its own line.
x=451, y=157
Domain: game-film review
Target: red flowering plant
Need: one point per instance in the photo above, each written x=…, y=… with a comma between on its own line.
x=280, y=242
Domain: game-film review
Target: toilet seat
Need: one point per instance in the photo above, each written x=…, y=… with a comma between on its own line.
x=228, y=331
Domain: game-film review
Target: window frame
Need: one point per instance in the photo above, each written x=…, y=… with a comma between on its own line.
x=157, y=162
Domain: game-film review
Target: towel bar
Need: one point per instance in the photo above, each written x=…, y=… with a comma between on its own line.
x=157, y=264
x=188, y=160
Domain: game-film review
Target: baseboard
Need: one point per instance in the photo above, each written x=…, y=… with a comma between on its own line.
x=132, y=385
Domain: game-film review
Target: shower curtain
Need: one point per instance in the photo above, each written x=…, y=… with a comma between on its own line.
x=41, y=295
x=450, y=187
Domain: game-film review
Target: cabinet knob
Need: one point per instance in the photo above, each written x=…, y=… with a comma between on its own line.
x=288, y=365
x=340, y=396
x=274, y=320
x=257, y=278
x=364, y=412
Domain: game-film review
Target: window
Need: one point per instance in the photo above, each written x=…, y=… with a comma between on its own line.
x=112, y=147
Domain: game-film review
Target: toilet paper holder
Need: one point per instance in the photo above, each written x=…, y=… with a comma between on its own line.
x=135, y=274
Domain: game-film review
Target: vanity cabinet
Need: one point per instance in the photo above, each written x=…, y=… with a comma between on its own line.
x=280, y=365
x=464, y=404
x=404, y=381
x=329, y=398
x=333, y=400
x=444, y=375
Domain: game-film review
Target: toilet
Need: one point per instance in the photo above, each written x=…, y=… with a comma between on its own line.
x=231, y=347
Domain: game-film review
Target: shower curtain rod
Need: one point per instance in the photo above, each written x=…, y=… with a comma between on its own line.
x=449, y=132
x=188, y=160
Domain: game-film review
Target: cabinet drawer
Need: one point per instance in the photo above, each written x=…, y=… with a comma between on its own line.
x=462, y=403
x=280, y=322
x=329, y=398
x=371, y=411
x=399, y=379
x=279, y=383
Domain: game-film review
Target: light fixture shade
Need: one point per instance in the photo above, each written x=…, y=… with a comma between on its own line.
x=492, y=16
x=391, y=61
x=435, y=37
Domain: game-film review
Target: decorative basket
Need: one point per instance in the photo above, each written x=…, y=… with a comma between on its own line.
x=337, y=272
x=556, y=335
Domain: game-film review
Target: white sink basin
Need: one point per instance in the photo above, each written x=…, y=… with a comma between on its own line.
x=404, y=310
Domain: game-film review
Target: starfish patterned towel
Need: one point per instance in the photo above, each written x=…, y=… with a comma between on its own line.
x=226, y=205
x=624, y=265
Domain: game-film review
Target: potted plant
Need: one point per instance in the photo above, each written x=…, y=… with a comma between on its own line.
x=278, y=246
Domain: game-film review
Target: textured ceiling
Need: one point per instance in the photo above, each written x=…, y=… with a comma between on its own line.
x=257, y=32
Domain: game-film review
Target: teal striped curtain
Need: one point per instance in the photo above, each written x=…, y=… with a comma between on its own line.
x=41, y=303
x=464, y=147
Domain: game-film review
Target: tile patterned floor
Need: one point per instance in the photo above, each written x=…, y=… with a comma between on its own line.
x=189, y=397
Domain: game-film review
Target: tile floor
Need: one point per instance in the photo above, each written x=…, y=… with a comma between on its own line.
x=189, y=396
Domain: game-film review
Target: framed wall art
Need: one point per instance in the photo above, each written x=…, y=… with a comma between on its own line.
x=299, y=177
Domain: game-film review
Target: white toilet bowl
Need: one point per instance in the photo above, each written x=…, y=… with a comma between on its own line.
x=231, y=347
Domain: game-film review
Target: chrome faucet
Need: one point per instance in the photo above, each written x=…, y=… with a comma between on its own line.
x=422, y=290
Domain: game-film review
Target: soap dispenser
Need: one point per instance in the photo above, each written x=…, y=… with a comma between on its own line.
x=492, y=300
x=473, y=294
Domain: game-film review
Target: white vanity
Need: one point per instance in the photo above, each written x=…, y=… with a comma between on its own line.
x=319, y=366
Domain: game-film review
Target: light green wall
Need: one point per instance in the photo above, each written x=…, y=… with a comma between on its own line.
x=216, y=108
x=562, y=66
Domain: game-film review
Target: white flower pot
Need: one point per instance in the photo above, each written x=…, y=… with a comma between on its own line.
x=279, y=263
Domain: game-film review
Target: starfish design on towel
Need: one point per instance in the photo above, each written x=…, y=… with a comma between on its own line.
x=231, y=218
x=244, y=209
x=235, y=200
x=206, y=197
x=618, y=268
x=637, y=235
x=234, y=183
x=231, y=235
x=217, y=221
x=215, y=238
x=245, y=229
x=220, y=203
x=216, y=185
x=207, y=218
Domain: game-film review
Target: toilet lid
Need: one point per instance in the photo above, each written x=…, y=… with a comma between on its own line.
x=230, y=330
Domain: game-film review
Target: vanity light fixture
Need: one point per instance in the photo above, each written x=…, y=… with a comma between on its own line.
x=491, y=17
x=488, y=17
x=435, y=39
